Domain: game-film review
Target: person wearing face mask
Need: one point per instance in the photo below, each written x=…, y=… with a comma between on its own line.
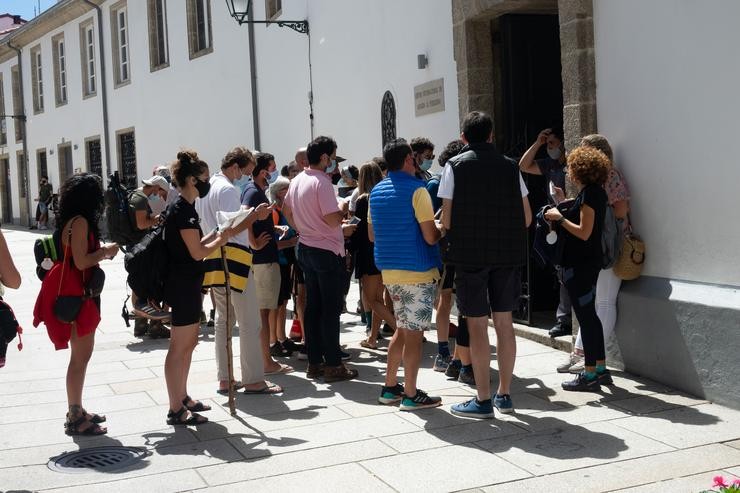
x=312, y=208
x=423, y=157
x=348, y=183
x=265, y=264
x=153, y=191
x=552, y=169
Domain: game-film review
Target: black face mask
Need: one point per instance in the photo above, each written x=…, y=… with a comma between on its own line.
x=203, y=187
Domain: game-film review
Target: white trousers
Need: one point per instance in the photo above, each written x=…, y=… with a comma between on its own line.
x=607, y=289
x=243, y=311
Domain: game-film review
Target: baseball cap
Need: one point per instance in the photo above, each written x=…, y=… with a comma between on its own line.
x=157, y=181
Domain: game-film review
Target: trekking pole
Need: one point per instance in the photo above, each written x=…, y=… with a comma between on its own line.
x=229, y=350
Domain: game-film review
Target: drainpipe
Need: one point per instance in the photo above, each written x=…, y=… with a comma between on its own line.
x=253, y=75
x=103, y=89
x=25, y=132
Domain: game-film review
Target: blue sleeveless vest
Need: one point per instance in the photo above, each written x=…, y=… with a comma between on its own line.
x=399, y=243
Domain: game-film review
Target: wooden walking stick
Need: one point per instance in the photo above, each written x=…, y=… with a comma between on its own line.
x=229, y=323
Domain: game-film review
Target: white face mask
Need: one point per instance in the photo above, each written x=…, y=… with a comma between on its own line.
x=154, y=198
x=554, y=153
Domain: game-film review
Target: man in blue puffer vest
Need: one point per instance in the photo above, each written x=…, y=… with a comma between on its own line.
x=401, y=223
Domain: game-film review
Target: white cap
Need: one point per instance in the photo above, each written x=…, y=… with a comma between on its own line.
x=157, y=181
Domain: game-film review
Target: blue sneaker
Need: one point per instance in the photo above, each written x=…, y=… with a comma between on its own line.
x=420, y=401
x=503, y=403
x=466, y=376
x=441, y=362
x=474, y=409
x=391, y=395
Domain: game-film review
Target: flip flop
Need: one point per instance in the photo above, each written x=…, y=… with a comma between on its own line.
x=270, y=388
x=283, y=369
x=367, y=345
x=237, y=386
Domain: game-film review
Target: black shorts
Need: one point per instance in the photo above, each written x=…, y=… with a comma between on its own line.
x=285, y=284
x=482, y=290
x=184, y=297
x=448, y=277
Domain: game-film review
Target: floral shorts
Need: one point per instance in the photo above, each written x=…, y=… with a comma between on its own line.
x=413, y=304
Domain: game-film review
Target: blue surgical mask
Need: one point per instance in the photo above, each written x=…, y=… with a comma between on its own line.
x=154, y=198
x=332, y=167
x=426, y=164
x=241, y=183
x=273, y=176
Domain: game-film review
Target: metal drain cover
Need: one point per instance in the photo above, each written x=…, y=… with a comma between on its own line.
x=102, y=459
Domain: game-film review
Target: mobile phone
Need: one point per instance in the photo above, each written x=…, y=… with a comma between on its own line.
x=355, y=220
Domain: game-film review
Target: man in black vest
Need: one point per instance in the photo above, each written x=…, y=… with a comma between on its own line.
x=486, y=211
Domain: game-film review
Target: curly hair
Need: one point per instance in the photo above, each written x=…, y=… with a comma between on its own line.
x=451, y=150
x=239, y=155
x=421, y=144
x=81, y=195
x=588, y=166
x=598, y=141
x=187, y=164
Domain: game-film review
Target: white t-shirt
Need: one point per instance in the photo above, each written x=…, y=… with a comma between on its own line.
x=223, y=196
x=447, y=184
x=352, y=199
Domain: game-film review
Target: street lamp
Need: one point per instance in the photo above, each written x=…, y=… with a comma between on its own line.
x=239, y=10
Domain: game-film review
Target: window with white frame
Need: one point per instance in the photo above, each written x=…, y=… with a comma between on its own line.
x=120, y=38
x=158, y=42
x=200, y=35
x=87, y=52
x=60, y=69
x=37, y=81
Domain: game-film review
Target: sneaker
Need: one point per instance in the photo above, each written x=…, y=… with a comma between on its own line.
x=345, y=355
x=315, y=371
x=605, y=378
x=211, y=319
x=561, y=329
x=441, y=362
x=145, y=310
x=290, y=345
x=391, y=395
x=582, y=384
x=573, y=361
x=339, y=373
x=141, y=326
x=420, y=401
x=466, y=376
x=279, y=351
x=453, y=369
x=503, y=403
x=203, y=319
x=474, y=409
x=158, y=331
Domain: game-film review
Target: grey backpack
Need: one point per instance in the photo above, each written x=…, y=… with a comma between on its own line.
x=611, y=238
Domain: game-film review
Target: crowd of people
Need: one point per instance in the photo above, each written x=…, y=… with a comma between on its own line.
x=410, y=238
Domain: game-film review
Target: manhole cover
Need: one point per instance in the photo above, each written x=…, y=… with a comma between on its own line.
x=99, y=459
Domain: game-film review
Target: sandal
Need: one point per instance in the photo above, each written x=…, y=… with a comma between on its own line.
x=196, y=407
x=367, y=345
x=74, y=428
x=237, y=386
x=93, y=418
x=175, y=418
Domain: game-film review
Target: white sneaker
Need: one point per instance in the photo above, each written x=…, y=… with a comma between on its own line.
x=574, y=364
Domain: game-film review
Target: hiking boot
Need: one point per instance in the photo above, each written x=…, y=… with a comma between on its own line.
x=453, y=369
x=391, y=395
x=157, y=330
x=141, y=326
x=339, y=373
x=605, y=378
x=315, y=371
x=420, y=401
x=466, y=376
x=503, y=403
x=474, y=409
x=561, y=329
x=574, y=361
x=582, y=384
x=441, y=362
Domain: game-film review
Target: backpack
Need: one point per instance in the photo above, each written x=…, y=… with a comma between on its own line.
x=117, y=216
x=9, y=327
x=146, y=264
x=46, y=253
x=611, y=238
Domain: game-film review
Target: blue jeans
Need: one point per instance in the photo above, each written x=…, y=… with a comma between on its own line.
x=324, y=272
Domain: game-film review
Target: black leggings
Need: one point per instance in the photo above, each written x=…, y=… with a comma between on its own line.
x=580, y=281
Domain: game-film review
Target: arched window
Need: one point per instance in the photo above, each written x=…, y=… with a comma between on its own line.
x=388, y=117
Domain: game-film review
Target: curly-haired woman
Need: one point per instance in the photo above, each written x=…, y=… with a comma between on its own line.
x=582, y=224
x=186, y=247
x=80, y=207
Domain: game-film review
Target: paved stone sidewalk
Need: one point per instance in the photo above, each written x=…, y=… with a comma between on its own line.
x=638, y=436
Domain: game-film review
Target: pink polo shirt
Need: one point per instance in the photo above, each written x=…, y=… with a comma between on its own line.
x=310, y=197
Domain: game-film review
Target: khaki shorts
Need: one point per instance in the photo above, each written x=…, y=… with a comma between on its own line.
x=413, y=304
x=267, y=282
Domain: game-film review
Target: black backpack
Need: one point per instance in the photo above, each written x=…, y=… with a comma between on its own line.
x=117, y=216
x=146, y=264
x=46, y=251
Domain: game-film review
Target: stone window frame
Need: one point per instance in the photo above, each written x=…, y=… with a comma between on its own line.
x=194, y=35
x=158, y=36
x=119, y=155
x=15, y=80
x=22, y=168
x=120, y=49
x=41, y=172
x=37, y=79
x=61, y=86
x=87, y=59
x=4, y=122
x=87, y=140
x=273, y=9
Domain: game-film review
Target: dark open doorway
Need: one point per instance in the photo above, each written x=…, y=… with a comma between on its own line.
x=529, y=98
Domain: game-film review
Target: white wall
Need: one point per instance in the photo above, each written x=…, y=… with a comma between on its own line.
x=666, y=74
x=359, y=50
